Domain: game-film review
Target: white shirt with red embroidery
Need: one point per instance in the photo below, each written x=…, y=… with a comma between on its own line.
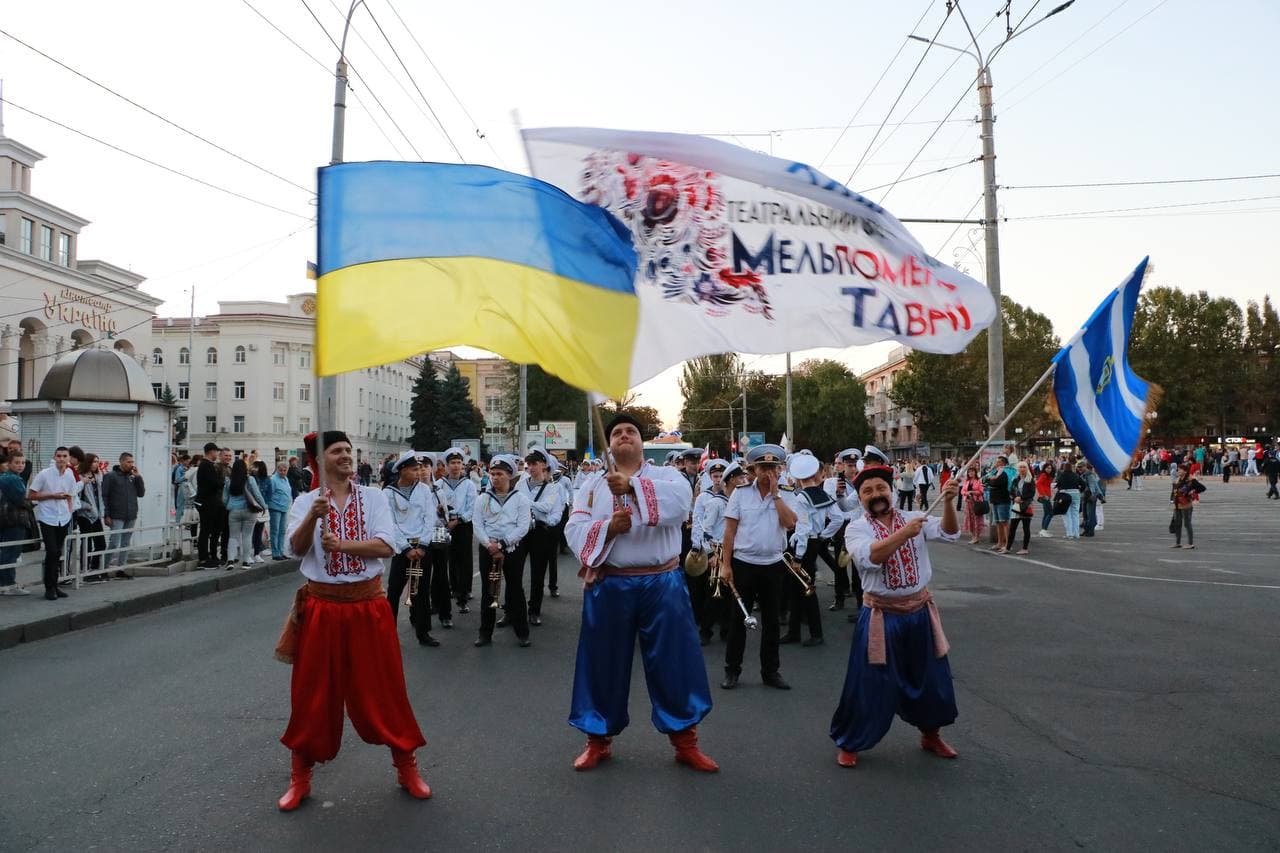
x=908, y=570
x=366, y=516
x=658, y=509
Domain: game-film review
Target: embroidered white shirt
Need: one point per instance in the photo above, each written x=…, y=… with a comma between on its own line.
x=658, y=509
x=369, y=519
x=911, y=572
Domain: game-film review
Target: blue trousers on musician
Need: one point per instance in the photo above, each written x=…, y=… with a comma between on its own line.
x=656, y=609
x=913, y=683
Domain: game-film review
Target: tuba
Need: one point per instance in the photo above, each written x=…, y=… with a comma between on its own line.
x=414, y=573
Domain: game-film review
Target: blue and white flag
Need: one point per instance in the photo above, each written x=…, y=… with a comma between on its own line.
x=1101, y=400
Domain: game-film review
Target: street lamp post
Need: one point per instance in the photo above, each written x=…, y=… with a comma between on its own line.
x=995, y=332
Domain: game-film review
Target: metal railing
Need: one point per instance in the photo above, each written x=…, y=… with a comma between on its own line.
x=79, y=552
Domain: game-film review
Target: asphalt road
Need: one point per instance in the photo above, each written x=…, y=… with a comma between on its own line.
x=1113, y=694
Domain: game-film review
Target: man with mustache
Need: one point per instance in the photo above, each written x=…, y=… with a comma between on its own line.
x=898, y=663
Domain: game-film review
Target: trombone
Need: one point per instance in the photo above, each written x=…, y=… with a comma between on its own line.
x=713, y=559
x=413, y=572
x=495, y=578
x=798, y=573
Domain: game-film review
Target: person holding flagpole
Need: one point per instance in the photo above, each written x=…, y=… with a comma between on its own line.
x=625, y=529
x=898, y=664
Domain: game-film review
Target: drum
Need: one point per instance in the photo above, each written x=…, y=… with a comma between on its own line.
x=439, y=539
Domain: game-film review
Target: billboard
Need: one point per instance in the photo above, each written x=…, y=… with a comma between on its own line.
x=748, y=440
x=559, y=435
x=470, y=448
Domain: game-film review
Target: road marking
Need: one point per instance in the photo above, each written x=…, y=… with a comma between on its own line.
x=1137, y=577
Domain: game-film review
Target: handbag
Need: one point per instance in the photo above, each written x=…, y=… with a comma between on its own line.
x=981, y=507
x=1173, y=523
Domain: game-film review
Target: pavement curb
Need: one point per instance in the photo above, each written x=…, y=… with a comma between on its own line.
x=104, y=612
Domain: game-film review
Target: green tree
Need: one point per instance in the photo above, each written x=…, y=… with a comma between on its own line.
x=424, y=410
x=710, y=386
x=947, y=394
x=456, y=416
x=828, y=408
x=1262, y=364
x=179, y=424
x=547, y=398
x=651, y=424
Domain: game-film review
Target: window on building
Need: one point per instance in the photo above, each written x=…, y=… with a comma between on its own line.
x=64, y=249
x=492, y=404
x=184, y=356
x=237, y=391
x=360, y=396
x=157, y=390
x=277, y=426
x=277, y=357
x=211, y=390
x=46, y=243
x=237, y=423
x=493, y=382
x=304, y=358
x=211, y=355
x=210, y=423
x=361, y=430
x=304, y=425
x=240, y=355
x=157, y=356
x=24, y=239
x=304, y=393
x=184, y=391
x=277, y=391
x=181, y=423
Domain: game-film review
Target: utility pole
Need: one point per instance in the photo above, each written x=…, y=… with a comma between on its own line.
x=524, y=408
x=995, y=332
x=791, y=426
x=744, y=409
x=191, y=354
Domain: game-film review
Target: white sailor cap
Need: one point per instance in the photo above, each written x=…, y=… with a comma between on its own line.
x=692, y=453
x=734, y=469
x=875, y=455
x=766, y=454
x=537, y=454
x=803, y=465
x=716, y=465
x=409, y=457
x=455, y=453
x=851, y=454
x=504, y=460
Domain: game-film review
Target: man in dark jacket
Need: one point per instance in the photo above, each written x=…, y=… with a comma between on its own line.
x=209, y=481
x=121, y=489
x=295, y=477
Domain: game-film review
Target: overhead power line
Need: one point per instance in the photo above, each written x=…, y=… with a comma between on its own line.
x=1142, y=183
x=1075, y=213
x=151, y=162
x=155, y=114
x=1010, y=89
x=924, y=174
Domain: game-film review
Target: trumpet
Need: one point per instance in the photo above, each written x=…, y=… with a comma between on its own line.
x=748, y=620
x=495, y=578
x=798, y=573
x=413, y=572
x=713, y=560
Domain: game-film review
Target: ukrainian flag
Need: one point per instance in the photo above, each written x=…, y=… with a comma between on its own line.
x=418, y=256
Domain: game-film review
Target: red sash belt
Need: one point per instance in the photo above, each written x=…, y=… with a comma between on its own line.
x=901, y=605
x=338, y=593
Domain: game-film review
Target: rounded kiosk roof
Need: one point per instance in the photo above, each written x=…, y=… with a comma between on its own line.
x=97, y=374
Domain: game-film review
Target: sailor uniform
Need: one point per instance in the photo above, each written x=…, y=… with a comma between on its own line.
x=506, y=521
x=546, y=500
x=460, y=496
x=413, y=511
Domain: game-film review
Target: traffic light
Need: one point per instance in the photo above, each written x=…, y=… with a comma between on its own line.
x=733, y=446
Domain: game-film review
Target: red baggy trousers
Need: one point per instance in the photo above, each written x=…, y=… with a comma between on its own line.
x=348, y=654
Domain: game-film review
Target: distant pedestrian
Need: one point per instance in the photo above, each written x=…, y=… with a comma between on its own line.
x=923, y=481
x=15, y=517
x=905, y=478
x=998, y=483
x=1071, y=484
x=1023, y=492
x=278, y=504
x=295, y=477
x=89, y=515
x=258, y=470
x=120, y=492
x=243, y=501
x=1271, y=468
x=1184, y=496
x=1044, y=494
x=209, y=485
x=52, y=491
x=177, y=478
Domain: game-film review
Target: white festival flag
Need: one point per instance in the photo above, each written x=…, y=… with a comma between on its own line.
x=743, y=252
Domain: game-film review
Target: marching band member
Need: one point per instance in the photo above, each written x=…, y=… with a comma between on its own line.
x=545, y=499
x=898, y=663
x=625, y=529
x=501, y=520
x=437, y=551
x=755, y=535
x=460, y=492
x=825, y=520
x=708, y=532
x=341, y=634
x=413, y=511
x=565, y=482
x=847, y=465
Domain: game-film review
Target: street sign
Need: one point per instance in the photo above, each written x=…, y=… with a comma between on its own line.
x=470, y=448
x=559, y=435
x=748, y=440
x=533, y=438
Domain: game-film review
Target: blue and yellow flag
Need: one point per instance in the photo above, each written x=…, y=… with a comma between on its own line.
x=420, y=256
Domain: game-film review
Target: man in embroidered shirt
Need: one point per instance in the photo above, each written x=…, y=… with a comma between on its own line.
x=341, y=636
x=898, y=663
x=757, y=522
x=626, y=529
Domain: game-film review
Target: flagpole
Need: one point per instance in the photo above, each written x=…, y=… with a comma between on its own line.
x=998, y=430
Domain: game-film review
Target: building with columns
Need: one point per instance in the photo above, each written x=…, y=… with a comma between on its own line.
x=51, y=301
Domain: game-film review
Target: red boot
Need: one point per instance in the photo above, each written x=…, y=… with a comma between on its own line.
x=299, y=783
x=931, y=741
x=687, y=752
x=845, y=758
x=407, y=775
x=598, y=749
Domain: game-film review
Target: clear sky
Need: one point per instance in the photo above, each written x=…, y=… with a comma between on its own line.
x=1108, y=90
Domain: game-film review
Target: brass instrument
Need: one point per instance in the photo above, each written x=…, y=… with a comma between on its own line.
x=495, y=578
x=414, y=572
x=798, y=572
x=713, y=564
x=751, y=622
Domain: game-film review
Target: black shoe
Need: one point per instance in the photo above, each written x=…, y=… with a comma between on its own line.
x=446, y=623
x=428, y=640
x=123, y=577
x=278, y=559
x=535, y=619
x=525, y=642
x=59, y=593
x=773, y=679
x=813, y=641
x=730, y=681
x=463, y=608
x=555, y=593
x=50, y=595
x=789, y=639
x=838, y=604
x=483, y=641
x=502, y=623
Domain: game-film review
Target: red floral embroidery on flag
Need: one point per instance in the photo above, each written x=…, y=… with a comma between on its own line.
x=349, y=525
x=902, y=569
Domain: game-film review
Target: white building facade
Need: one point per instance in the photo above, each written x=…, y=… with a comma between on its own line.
x=245, y=378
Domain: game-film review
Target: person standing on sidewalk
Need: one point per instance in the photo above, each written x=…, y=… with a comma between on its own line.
x=88, y=517
x=1023, y=492
x=121, y=489
x=278, y=509
x=51, y=491
x=243, y=500
x=209, y=483
x=1044, y=495
x=1071, y=484
x=998, y=483
x=1184, y=496
x=15, y=518
x=972, y=492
